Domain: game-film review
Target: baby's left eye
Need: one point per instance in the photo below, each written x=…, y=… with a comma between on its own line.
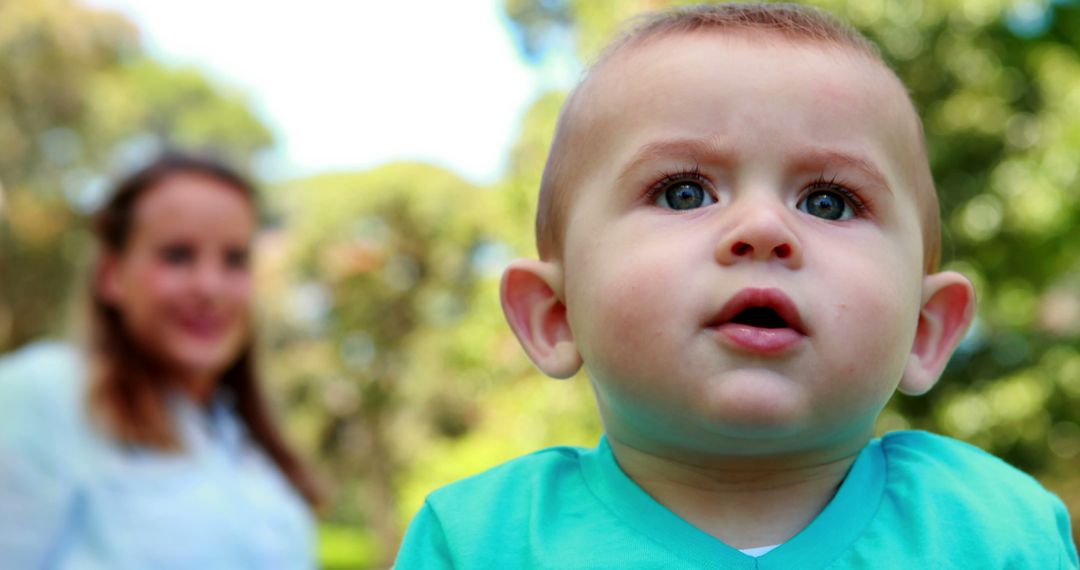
x=827, y=204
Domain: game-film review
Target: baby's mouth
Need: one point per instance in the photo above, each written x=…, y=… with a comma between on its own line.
x=763, y=308
x=763, y=321
x=761, y=317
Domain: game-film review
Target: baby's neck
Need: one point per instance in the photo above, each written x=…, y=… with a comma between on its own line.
x=744, y=502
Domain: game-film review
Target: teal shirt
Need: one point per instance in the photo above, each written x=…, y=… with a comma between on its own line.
x=72, y=499
x=910, y=500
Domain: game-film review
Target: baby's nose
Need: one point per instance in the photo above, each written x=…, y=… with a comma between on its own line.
x=763, y=235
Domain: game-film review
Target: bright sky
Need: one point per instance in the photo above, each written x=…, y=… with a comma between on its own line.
x=349, y=85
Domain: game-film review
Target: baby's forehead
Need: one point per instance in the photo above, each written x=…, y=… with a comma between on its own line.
x=742, y=55
x=650, y=80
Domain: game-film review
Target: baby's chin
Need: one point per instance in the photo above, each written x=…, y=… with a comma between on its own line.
x=750, y=393
x=757, y=405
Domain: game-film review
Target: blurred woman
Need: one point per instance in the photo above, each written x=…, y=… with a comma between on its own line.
x=155, y=448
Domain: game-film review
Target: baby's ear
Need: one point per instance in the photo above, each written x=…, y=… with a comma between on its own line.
x=531, y=294
x=948, y=305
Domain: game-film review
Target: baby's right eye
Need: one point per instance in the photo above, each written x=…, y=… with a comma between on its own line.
x=684, y=195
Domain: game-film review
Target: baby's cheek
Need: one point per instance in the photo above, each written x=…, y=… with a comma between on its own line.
x=875, y=339
x=622, y=314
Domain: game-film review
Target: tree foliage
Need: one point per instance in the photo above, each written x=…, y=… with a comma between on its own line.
x=384, y=265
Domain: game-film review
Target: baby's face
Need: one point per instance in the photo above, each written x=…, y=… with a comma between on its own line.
x=743, y=259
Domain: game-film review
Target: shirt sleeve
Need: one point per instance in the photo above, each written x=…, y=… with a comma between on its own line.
x=1069, y=556
x=37, y=493
x=424, y=546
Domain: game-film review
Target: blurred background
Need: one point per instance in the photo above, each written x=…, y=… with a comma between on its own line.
x=400, y=145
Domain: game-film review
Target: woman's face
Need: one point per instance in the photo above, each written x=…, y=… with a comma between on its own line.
x=183, y=283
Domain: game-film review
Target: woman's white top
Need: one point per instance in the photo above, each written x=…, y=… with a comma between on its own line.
x=71, y=498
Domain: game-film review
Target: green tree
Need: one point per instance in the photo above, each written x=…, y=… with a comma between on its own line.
x=380, y=363
x=390, y=344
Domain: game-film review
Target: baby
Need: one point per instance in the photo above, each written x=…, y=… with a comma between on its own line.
x=738, y=235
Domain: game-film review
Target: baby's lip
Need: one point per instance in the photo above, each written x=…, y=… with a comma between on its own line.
x=766, y=298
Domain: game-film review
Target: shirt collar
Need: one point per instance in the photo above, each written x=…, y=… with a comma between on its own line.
x=821, y=542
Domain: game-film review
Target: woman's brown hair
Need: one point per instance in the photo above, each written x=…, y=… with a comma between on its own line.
x=128, y=391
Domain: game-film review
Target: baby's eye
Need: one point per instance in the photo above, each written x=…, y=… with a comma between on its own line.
x=684, y=195
x=828, y=204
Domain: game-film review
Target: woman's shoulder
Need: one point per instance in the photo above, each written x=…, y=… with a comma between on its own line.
x=41, y=392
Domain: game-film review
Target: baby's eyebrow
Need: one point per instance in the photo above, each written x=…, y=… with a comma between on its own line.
x=818, y=158
x=711, y=150
x=715, y=150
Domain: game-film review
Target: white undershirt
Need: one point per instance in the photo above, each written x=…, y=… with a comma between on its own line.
x=758, y=550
